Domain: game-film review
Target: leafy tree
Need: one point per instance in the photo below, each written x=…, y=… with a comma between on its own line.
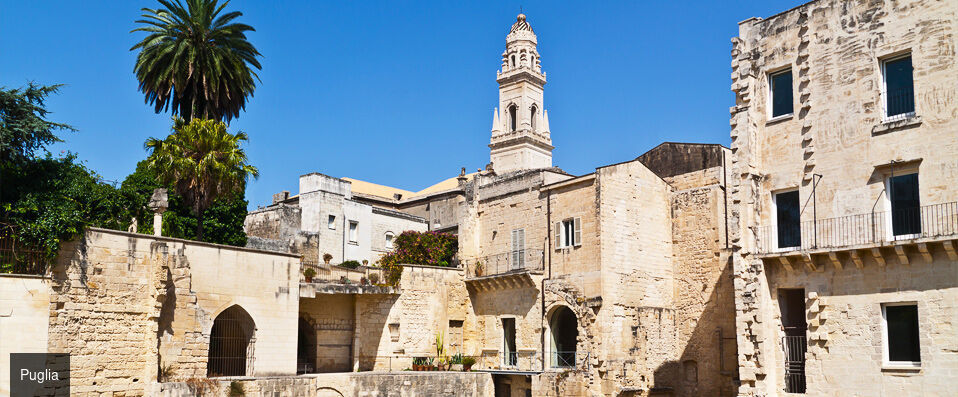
x=202, y=162
x=24, y=128
x=223, y=223
x=195, y=60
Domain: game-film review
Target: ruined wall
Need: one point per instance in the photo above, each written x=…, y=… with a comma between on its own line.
x=676, y=158
x=24, y=319
x=838, y=130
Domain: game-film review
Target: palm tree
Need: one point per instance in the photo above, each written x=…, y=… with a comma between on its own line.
x=195, y=60
x=202, y=161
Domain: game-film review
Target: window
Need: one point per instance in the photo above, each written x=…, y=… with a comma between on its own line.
x=332, y=222
x=568, y=233
x=905, y=205
x=532, y=116
x=512, y=117
x=788, y=219
x=353, y=231
x=899, y=87
x=509, y=356
x=518, y=248
x=791, y=305
x=900, y=326
x=780, y=92
x=389, y=240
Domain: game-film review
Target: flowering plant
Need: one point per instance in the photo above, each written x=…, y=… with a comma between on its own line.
x=419, y=248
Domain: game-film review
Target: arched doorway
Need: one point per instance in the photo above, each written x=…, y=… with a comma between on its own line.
x=306, y=348
x=231, y=344
x=563, y=335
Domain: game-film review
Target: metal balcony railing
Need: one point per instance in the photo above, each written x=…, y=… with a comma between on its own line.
x=930, y=221
x=507, y=262
x=18, y=258
x=363, y=275
x=900, y=103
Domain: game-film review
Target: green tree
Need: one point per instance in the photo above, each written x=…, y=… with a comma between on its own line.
x=24, y=128
x=195, y=60
x=223, y=223
x=202, y=162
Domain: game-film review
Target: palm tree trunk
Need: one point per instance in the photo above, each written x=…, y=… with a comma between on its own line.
x=199, y=225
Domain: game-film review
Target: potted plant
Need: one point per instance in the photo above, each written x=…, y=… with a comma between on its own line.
x=455, y=362
x=327, y=257
x=478, y=269
x=364, y=281
x=365, y=262
x=429, y=366
x=309, y=273
x=374, y=278
x=440, y=349
x=467, y=363
x=418, y=363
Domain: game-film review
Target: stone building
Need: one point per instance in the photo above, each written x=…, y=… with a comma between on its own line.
x=843, y=206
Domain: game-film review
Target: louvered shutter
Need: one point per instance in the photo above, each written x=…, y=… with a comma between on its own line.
x=578, y=231
x=522, y=248
x=558, y=235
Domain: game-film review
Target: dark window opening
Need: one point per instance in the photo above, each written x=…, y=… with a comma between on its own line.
x=512, y=117
x=791, y=304
x=899, y=87
x=564, y=337
x=231, y=344
x=905, y=204
x=532, y=116
x=781, y=84
x=306, y=348
x=509, y=356
x=788, y=218
x=902, y=326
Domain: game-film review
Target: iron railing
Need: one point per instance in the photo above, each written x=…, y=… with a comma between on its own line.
x=335, y=274
x=900, y=103
x=567, y=359
x=930, y=221
x=507, y=262
x=795, y=348
x=18, y=258
x=521, y=361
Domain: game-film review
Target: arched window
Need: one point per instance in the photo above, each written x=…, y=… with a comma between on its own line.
x=389, y=240
x=513, y=63
x=532, y=116
x=513, y=113
x=231, y=344
x=563, y=335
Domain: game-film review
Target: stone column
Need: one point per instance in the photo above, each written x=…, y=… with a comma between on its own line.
x=159, y=202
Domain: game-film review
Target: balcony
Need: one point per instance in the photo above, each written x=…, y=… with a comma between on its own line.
x=333, y=279
x=512, y=269
x=911, y=227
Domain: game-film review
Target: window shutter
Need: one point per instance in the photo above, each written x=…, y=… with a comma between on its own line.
x=558, y=235
x=578, y=231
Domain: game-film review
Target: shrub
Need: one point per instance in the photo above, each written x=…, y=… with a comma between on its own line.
x=467, y=361
x=350, y=264
x=309, y=272
x=374, y=278
x=426, y=248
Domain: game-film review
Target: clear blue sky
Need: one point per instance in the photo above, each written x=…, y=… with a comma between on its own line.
x=398, y=93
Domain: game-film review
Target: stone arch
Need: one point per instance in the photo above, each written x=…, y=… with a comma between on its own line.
x=533, y=112
x=232, y=338
x=563, y=336
x=513, y=112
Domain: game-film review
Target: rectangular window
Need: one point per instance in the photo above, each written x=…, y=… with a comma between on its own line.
x=389, y=240
x=332, y=222
x=509, y=356
x=568, y=233
x=353, y=231
x=899, y=87
x=900, y=322
x=780, y=92
x=905, y=205
x=518, y=248
x=788, y=219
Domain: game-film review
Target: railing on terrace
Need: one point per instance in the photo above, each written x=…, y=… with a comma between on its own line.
x=343, y=275
x=496, y=361
x=17, y=258
x=507, y=262
x=930, y=221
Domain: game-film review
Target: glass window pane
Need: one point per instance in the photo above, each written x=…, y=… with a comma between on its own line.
x=899, y=87
x=902, y=322
x=905, y=204
x=788, y=215
x=781, y=94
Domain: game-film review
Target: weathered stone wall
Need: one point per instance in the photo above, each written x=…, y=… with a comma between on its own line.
x=126, y=306
x=834, y=50
x=24, y=319
x=333, y=320
x=676, y=158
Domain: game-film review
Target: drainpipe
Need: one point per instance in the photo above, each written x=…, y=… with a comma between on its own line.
x=542, y=288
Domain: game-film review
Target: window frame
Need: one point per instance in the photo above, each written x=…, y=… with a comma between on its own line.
x=883, y=62
x=565, y=227
x=774, y=212
x=331, y=222
x=353, y=232
x=770, y=105
x=886, y=362
x=389, y=237
x=889, y=220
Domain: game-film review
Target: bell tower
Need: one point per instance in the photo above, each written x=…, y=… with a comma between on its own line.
x=520, y=125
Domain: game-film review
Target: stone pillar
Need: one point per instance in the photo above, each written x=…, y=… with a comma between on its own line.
x=159, y=202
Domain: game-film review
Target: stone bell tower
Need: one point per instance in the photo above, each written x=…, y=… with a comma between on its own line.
x=520, y=125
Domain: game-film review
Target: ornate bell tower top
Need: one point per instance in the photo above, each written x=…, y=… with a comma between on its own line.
x=520, y=125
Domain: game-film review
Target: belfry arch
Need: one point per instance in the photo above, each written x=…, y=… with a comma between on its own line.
x=563, y=337
x=231, y=344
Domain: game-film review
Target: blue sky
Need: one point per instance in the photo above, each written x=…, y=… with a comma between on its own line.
x=398, y=93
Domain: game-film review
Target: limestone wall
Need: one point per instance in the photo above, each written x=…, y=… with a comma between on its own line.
x=24, y=320
x=332, y=318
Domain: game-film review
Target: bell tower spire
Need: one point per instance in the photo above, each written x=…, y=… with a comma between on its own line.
x=520, y=131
